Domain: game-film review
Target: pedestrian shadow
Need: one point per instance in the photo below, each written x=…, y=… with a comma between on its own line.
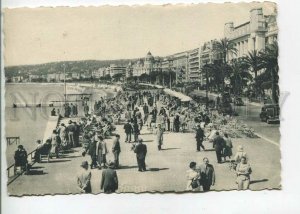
x=147, y=133
x=258, y=181
x=72, y=156
x=147, y=141
x=156, y=169
x=58, y=161
x=36, y=172
x=209, y=150
x=37, y=167
x=68, y=151
x=169, y=148
x=128, y=167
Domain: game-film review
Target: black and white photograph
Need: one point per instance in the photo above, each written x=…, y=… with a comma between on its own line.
x=142, y=99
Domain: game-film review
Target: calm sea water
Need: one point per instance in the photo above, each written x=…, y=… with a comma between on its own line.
x=30, y=123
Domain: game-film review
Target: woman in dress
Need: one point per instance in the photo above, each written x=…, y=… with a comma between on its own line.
x=193, y=177
x=243, y=171
x=84, y=178
x=54, y=144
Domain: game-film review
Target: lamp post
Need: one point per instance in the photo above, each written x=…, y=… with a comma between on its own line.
x=65, y=86
x=206, y=76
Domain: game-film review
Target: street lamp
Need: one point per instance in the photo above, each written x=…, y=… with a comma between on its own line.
x=206, y=76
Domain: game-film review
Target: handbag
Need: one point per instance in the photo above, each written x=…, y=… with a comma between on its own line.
x=194, y=183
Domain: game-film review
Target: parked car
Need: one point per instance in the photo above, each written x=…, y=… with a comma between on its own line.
x=270, y=113
x=238, y=101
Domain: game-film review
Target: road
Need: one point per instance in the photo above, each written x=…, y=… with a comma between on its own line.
x=250, y=115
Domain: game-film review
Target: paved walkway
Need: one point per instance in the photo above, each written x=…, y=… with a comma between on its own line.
x=166, y=168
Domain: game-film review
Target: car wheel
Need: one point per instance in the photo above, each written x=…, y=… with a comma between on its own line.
x=268, y=121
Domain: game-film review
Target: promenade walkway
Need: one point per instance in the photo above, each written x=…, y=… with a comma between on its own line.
x=166, y=168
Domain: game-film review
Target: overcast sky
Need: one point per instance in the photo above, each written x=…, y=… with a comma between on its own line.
x=42, y=35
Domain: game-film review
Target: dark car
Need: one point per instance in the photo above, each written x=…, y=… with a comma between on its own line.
x=238, y=101
x=270, y=113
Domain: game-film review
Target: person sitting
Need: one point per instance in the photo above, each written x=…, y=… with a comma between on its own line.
x=240, y=153
x=21, y=158
x=37, y=151
x=53, y=113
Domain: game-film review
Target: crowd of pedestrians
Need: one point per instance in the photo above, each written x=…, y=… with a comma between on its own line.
x=159, y=113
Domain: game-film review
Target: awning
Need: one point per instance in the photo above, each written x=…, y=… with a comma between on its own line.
x=179, y=95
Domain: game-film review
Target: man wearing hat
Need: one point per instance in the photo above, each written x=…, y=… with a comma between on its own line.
x=109, y=180
x=71, y=130
x=116, y=149
x=84, y=178
x=199, y=138
x=141, y=151
x=128, y=131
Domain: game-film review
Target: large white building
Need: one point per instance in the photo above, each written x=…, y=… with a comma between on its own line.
x=116, y=69
x=194, y=65
x=252, y=35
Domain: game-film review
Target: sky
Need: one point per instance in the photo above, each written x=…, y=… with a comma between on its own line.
x=41, y=35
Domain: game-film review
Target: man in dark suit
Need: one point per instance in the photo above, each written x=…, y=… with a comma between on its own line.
x=128, y=131
x=116, y=149
x=199, y=138
x=218, y=144
x=146, y=112
x=207, y=174
x=109, y=181
x=141, y=151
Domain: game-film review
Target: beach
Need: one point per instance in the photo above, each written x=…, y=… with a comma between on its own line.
x=30, y=123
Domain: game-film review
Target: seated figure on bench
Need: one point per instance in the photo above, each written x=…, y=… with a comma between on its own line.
x=21, y=158
x=42, y=150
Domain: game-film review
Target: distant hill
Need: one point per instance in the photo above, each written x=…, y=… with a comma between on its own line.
x=54, y=67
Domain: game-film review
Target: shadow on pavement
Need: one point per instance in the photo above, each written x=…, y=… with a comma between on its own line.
x=170, y=148
x=36, y=172
x=68, y=151
x=156, y=169
x=127, y=167
x=209, y=150
x=58, y=161
x=67, y=156
x=36, y=167
x=258, y=181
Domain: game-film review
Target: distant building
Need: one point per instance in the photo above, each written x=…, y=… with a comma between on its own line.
x=252, y=35
x=115, y=69
x=75, y=76
x=208, y=55
x=33, y=77
x=100, y=72
x=129, y=70
x=177, y=63
x=194, y=65
x=17, y=79
x=145, y=65
x=272, y=28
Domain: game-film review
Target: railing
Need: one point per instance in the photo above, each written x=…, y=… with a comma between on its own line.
x=12, y=140
x=11, y=170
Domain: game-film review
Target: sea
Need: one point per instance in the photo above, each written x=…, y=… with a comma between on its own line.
x=29, y=123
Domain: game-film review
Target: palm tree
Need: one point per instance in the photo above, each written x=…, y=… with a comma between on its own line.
x=239, y=75
x=253, y=60
x=225, y=47
x=269, y=58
